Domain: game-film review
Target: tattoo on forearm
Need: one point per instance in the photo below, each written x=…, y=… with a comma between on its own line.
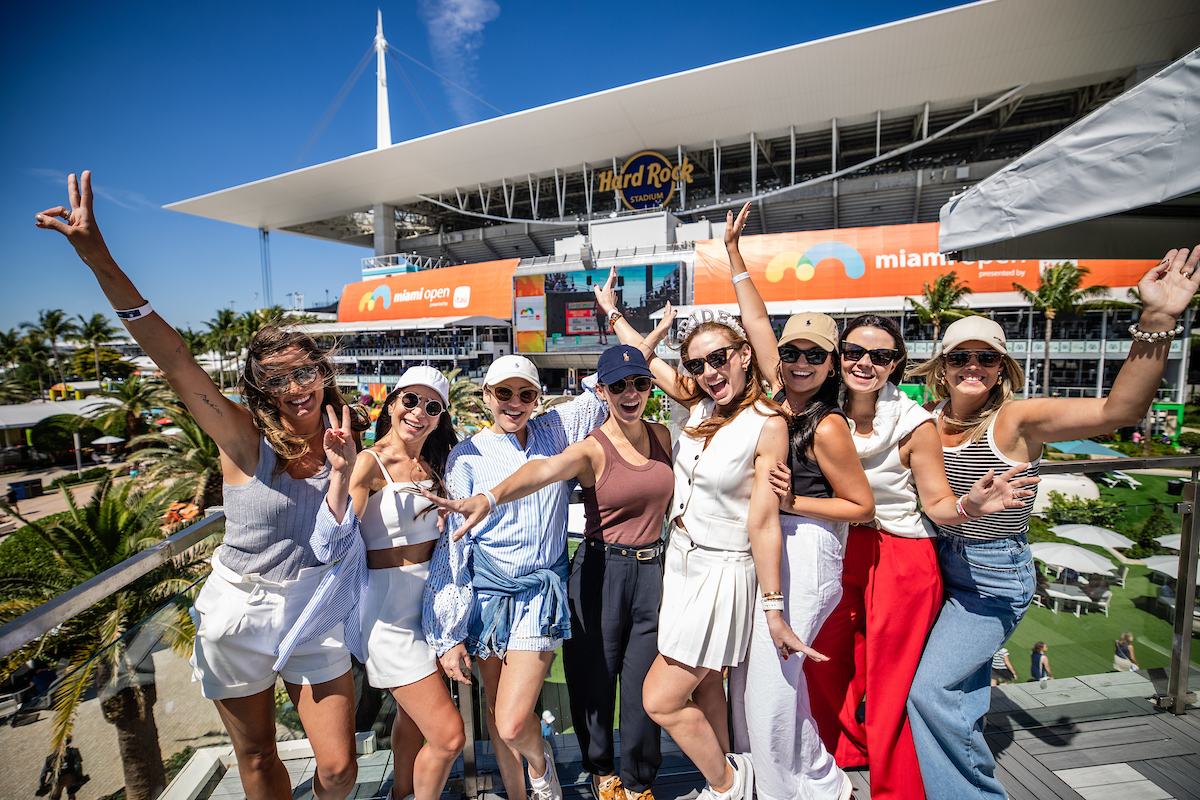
x=209, y=403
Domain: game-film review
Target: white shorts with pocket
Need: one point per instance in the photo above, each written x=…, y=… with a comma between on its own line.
x=240, y=621
x=397, y=653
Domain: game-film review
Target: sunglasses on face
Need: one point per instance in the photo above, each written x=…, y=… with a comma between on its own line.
x=504, y=394
x=880, y=357
x=716, y=358
x=641, y=384
x=814, y=355
x=960, y=358
x=303, y=376
x=432, y=407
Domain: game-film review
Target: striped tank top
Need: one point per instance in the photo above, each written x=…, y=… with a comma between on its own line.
x=966, y=464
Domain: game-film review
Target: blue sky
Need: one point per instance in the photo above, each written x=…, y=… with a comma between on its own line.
x=168, y=101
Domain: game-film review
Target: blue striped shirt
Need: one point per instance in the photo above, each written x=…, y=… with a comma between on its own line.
x=521, y=536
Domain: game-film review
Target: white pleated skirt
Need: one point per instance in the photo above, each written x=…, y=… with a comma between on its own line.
x=708, y=600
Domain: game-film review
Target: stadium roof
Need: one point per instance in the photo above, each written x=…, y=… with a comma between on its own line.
x=948, y=58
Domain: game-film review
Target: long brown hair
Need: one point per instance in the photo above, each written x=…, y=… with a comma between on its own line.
x=270, y=340
x=753, y=393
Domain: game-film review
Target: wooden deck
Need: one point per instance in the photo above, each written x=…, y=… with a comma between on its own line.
x=1081, y=738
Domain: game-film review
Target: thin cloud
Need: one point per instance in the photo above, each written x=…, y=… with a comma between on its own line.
x=125, y=198
x=455, y=36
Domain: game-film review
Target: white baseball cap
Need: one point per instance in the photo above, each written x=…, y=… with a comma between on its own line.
x=506, y=367
x=974, y=329
x=428, y=377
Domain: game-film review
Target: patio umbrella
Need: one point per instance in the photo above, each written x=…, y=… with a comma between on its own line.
x=172, y=431
x=108, y=440
x=1171, y=542
x=1092, y=534
x=1071, y=556
x=1166, y=565
x=163, y=421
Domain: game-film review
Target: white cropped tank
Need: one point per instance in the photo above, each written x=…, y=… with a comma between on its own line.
x=391, y=518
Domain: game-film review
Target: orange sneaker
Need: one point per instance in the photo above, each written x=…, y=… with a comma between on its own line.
x=608, y=789
x=643, y=795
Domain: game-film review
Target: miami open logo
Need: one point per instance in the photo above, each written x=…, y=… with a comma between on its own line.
x=367, y=303
x=805, y=264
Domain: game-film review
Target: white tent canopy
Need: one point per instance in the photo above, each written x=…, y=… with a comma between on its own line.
x=1123, y=182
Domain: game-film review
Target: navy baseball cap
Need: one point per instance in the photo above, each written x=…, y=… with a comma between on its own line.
x=621, y=361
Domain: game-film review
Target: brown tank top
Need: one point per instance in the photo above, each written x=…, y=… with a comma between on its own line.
x=628, y=503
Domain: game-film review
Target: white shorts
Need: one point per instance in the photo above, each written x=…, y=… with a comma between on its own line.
x=708, y=599
x=397, y=653
x=240, y=621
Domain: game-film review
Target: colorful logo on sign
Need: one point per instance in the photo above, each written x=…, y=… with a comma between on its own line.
x=647, y=180
x=805, y=264
x=367, y=303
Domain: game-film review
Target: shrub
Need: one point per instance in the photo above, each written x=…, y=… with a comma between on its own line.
x=1064, y=510
x=1189, y=439
x=93, y=474
x=1155, y=526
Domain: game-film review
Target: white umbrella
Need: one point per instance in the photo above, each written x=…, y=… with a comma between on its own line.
x=1071, y=557
x=1166, y=565
x=172, y=431
x=1171, y=542
x=108, y=440
x=1092, y=534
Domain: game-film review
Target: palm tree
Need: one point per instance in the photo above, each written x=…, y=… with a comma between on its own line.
x=116, y=523
x=135, y=399
x=942, y=302
x=466, y=400
x=12, y=390
x=33, y=352
x=221, y=331
x=193, y=340
x=190, y=460
x=1058, y=291
x=95, y=332
x=52, y=325
x=10, y=343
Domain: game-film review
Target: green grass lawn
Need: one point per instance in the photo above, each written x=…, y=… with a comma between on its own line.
x=1139, y=502
x=1084, y=646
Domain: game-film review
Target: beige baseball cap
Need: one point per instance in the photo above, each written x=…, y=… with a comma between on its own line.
x=820, y=329
x=975, y=329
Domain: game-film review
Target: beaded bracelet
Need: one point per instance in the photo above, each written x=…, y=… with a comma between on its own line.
x=962, y=512
x=1153, y=336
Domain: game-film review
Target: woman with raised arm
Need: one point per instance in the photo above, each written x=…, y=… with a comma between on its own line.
x=275, y=461
x=615, y=589
x=827, y=489
x=986, y=564
x=498, y=595
x=724, y=534
x=391, y=529
x=891, y=587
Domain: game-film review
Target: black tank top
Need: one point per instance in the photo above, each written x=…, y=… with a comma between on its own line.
x=807, y=478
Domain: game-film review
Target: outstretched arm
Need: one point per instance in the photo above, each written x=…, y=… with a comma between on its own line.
x=755, y=319
x=228, y=424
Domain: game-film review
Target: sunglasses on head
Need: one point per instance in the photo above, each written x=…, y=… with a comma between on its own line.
x=432, y=407
x=814, y=355
x=880, y=357
x=504, y=394
x=716, y=358
x=302, y=376
x=960, y=358
x=641, y=384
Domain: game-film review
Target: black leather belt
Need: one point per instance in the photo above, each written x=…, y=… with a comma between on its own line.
x=640, y=553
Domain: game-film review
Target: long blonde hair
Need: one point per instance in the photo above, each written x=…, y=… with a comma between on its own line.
x=1011, y=381
x=753, y=393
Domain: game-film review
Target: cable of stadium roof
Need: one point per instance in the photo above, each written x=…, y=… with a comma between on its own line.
x=992, y=106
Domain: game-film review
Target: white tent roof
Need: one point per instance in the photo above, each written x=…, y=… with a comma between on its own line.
x=1140, y=151
x=977, y=51
x=26, y=415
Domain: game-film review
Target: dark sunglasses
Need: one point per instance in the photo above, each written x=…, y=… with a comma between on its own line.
x=641, y=384
x=504, y=394
x=303, y=376
x=960, y=358
x=432, y=407
x=717, y=358
x=880, y=357
x=814, y=355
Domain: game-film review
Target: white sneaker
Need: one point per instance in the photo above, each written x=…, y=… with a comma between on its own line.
x=743, y=777
x=551, y=789
x=847, y=791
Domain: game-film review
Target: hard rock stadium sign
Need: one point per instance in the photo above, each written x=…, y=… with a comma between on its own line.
x=647, y=180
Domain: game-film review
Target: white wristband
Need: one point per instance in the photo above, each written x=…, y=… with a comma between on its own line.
x=772, y=604
x=491, y=498
x=740, y=277
x=133, y=313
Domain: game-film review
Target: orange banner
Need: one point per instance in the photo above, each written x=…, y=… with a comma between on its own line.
x=887, y=261
x=468, y=290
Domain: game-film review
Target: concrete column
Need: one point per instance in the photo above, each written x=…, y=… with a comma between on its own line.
x=385, y=229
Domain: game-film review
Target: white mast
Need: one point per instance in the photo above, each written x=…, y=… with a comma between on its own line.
x=383, y=124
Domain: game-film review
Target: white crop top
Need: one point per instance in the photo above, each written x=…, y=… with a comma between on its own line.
x=390, y=518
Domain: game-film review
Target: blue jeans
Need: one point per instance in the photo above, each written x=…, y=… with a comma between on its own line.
x=988, y=586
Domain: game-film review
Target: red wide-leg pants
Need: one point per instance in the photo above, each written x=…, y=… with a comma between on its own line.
x=891, y=593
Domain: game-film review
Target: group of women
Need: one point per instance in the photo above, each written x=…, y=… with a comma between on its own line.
x=849, y=559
